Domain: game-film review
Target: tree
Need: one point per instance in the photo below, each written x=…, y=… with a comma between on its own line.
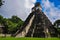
x=14, y=24
x=1, y=19
x=3, y=22
x=1, y=2
x=11, y=27
x=57, y=26
x=5, y=29
x=15, y=19
x=11, y=24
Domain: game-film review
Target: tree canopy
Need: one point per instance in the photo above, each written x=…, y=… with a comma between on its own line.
x=11, y=24
x=1, y=2
x=57, y=25
x=1, y=19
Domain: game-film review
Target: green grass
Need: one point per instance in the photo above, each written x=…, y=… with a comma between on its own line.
x=28, y=38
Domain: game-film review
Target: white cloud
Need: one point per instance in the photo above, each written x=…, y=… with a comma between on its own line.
x=29, y=3
x=21, y=8
x=51, y=11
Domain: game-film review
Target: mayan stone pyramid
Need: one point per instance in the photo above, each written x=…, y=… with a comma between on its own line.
x=37, y=24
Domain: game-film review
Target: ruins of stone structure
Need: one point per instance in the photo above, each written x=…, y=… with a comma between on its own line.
x=37, y=24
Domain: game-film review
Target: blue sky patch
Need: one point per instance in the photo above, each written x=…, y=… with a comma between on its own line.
x=56, y=2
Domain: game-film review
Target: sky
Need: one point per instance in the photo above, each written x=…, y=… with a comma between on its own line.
x=22, y=8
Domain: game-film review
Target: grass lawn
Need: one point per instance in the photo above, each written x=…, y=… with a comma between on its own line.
x=28, y=38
